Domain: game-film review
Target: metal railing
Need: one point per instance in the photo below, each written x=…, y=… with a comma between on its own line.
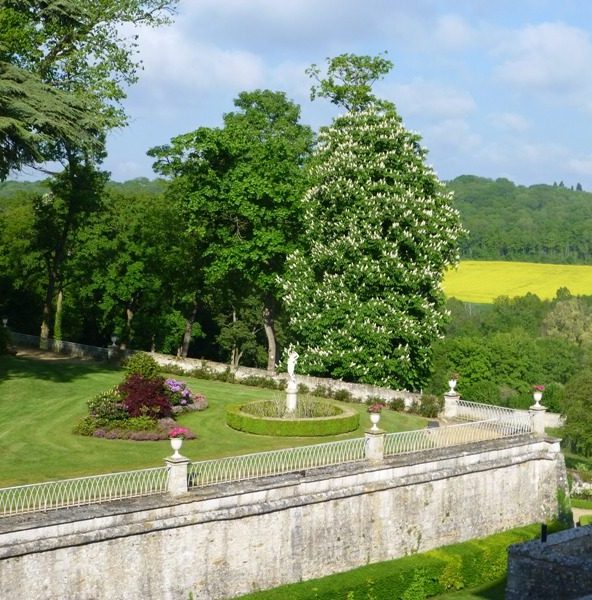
x=406, y=442
x=495, y=422
x=82, y=491
x=276, y=462
x=509, y=421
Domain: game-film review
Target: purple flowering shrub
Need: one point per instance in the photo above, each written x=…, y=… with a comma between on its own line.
x=182, y=398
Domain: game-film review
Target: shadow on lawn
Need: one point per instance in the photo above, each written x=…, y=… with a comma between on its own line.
x=56, y=369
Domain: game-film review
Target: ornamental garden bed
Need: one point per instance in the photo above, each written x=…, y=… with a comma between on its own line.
x=142, y=407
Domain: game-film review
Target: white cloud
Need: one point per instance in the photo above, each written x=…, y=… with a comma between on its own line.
x=453, y=133
x=580, y=166
x=454, y=33
x=509, y=120
x=550, y=57
x=431, y=100
x=170, y=57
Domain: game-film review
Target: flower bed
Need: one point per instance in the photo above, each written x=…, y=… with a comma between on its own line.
x=142, y=407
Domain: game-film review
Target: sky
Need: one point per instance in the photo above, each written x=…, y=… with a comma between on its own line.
x=496, y=88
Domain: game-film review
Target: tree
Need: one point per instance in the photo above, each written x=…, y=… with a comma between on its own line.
x=33, y=115
x=238, y=188
x=570, y=319
x=577, y=432
x=75, y=194
x=348, y=81
x=64, y=65
x=77, y=55
x=364, y=296
x=124, y=267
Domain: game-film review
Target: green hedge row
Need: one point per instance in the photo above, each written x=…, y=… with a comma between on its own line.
x=459, y=566
x=348, y=420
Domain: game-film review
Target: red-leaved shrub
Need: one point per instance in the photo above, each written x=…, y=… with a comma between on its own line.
x=143, y=396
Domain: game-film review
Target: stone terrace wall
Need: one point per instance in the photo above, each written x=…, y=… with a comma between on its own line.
x=231, y=540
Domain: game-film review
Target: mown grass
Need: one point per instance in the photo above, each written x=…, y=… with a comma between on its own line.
x=41, y=402
x=483, y=281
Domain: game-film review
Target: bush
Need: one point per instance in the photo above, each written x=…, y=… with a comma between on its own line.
x=485, y=392
x=236, y=418
x=107, y=405
x=262, y=382
x=143, y=396
x=141, y=364
x=397, y=404
x=343, y=395
x=86, y=426
x=322, y=391
x=428, y=406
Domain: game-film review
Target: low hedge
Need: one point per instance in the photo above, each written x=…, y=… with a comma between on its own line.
x=459, y=566
x=348, y=420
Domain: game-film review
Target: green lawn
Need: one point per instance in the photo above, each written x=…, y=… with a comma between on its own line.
x=41, y=401
x=483, y=281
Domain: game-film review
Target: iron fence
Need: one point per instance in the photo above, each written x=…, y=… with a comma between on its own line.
x=82, y=491
x=276, y=462
x=509, y=421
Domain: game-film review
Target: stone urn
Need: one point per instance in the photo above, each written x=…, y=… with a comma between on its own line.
x=374, y=419
x=176, y=444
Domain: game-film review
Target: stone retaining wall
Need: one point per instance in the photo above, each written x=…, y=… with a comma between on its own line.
x=229, y=540
x=560, y=567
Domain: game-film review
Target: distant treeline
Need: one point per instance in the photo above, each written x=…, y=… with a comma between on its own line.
x=11, y=190
x=540, y=223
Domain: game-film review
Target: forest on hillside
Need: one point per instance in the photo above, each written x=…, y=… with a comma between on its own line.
x=539, y=223
x=504, y=221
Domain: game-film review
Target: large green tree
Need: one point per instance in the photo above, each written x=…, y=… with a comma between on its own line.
x=66, y=54
x=238, y=188
x=364, y=295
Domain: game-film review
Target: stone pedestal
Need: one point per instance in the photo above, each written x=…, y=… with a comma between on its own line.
x=537, y=414
x=291, y=396
x=374, y=446
x=450, y=405
x=177, y=475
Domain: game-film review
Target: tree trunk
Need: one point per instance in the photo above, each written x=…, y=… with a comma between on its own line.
x=57, y=321
x=46, y=318
x=127, y=337
x=183, y=349
x=271, y=343
x=236, y=353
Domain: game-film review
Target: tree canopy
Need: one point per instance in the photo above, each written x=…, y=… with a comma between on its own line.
x=238, y=188
x=64, y=65
x=363, y=295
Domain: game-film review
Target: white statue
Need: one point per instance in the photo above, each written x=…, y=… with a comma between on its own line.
x=292, y=359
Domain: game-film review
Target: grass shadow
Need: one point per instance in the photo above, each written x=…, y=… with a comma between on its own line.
x=59, y=369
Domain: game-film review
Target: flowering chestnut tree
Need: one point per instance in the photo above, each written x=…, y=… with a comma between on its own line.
x=364, y=295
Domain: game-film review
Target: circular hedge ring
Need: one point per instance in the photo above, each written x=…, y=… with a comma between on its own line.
x=339, y=420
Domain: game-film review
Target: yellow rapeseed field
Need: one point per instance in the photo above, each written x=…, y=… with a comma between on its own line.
x=482, y=281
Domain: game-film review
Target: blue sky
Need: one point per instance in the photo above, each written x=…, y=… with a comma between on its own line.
x=496, y=88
